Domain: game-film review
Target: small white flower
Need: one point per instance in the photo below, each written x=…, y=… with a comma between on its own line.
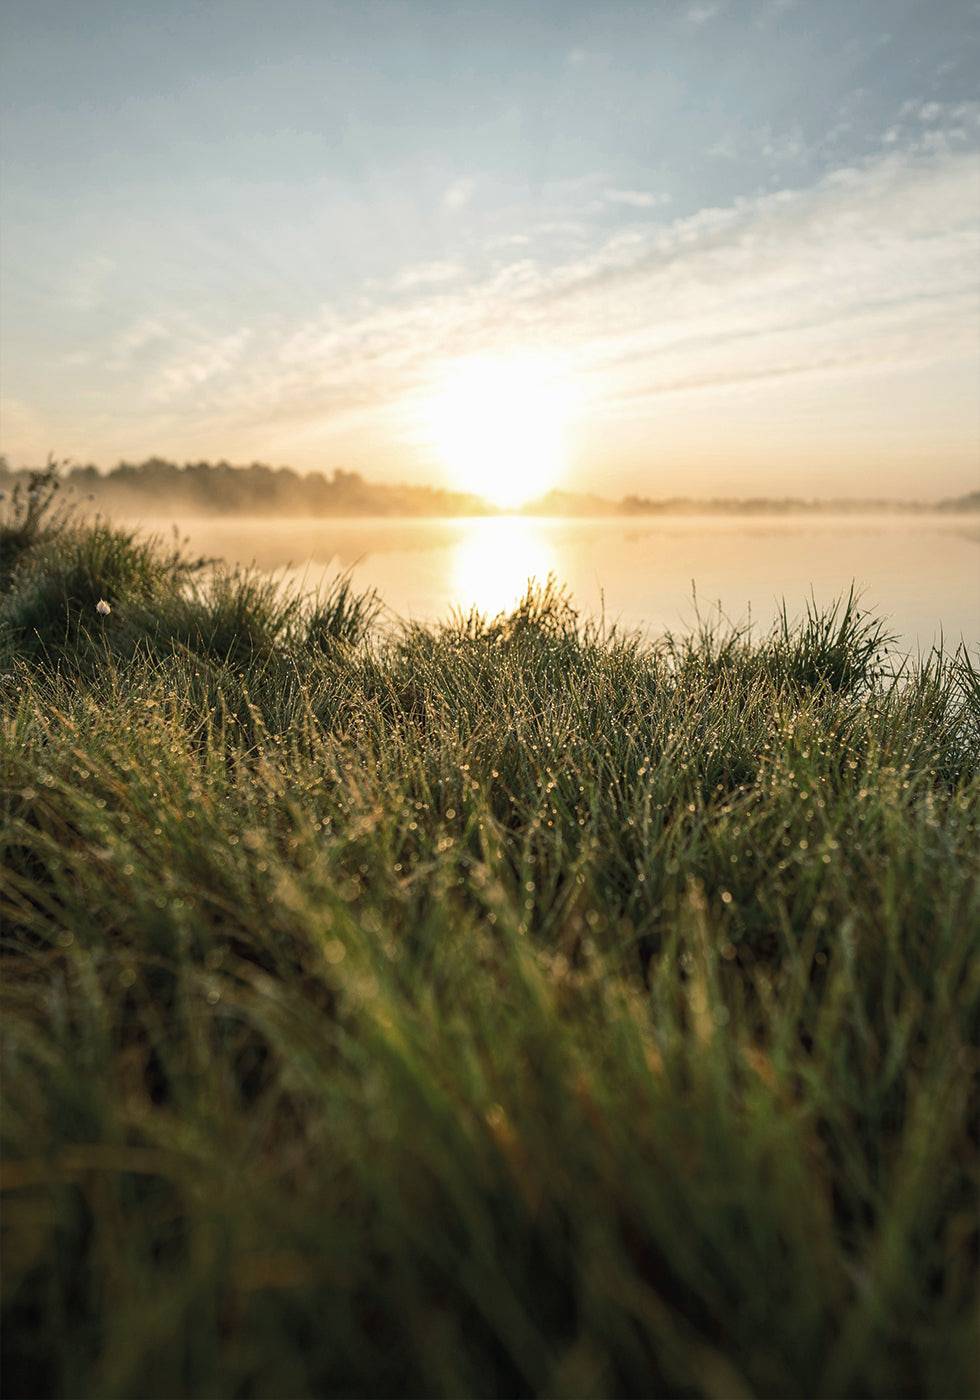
x=103, y=608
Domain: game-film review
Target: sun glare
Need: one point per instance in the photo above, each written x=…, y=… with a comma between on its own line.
x=496, y=559
x=499, y=426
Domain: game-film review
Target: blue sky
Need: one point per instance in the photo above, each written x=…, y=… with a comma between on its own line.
x=744, y=234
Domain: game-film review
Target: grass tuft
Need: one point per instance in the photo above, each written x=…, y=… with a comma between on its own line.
x=506, y=1007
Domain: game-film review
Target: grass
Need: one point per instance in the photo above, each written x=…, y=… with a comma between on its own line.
x=506, y=1007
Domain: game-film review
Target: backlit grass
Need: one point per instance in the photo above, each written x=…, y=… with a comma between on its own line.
x=507, y=1007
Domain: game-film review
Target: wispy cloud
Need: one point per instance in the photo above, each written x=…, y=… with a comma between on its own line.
x=635, y=199
x=187, y=371
x=783, y=146
x=508, y=240
x=459, y=193
x=725, y=149
x=867, y=273
x=702, y=13
x=427, y=275
x=148, y=331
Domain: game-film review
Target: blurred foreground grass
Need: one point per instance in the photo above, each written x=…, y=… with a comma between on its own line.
x=500, y=1008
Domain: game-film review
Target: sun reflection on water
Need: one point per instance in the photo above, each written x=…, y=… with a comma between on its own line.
x=494, y=559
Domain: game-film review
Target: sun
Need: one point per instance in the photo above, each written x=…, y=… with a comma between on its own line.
x=500, y=426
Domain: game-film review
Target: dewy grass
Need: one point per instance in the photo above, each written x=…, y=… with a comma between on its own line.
x=499, y=1008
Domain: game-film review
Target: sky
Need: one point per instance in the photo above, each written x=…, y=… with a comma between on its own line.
x=737, y=242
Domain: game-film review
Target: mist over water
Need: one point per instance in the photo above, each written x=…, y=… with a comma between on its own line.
x=922, y=573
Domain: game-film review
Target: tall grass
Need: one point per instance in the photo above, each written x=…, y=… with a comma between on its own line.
x=499, y=1008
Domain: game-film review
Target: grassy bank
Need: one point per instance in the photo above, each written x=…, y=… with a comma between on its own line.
x=499, y=1008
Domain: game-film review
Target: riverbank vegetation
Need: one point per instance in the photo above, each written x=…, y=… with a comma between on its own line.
x=503, y=1007
x=162, y=490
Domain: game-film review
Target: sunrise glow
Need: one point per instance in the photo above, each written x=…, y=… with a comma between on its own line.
x=499, y=427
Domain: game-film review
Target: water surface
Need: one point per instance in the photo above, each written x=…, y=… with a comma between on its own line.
x=921, y=572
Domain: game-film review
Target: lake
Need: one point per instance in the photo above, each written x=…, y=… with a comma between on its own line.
x=921, y=572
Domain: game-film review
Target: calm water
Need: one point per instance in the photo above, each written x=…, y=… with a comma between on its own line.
x=922, y=573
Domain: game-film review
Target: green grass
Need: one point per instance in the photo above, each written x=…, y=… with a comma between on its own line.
x=508, y=1007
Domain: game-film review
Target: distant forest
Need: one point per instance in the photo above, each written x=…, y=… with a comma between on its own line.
x=158, y=487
